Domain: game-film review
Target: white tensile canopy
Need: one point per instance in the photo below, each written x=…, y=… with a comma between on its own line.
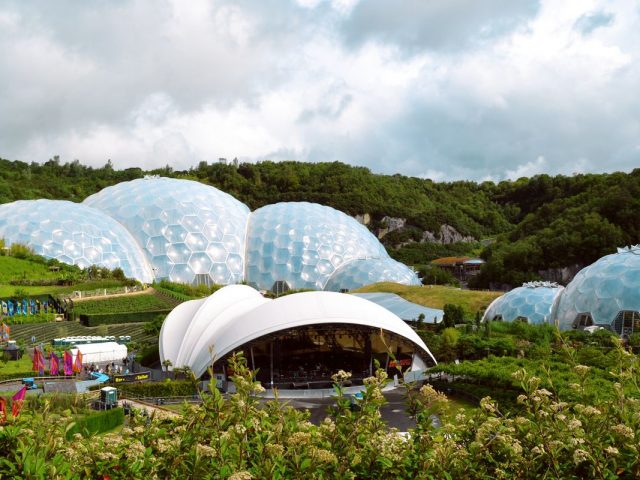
x=237, y=314
x=100, y=352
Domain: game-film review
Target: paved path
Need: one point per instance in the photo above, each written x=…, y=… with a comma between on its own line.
x=151, y=409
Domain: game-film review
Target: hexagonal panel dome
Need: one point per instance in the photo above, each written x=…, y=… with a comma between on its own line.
x=359, y=273
x=191, y=232
x=304, y=244
x=533, y=301
x=73, y=233
x=599, y=293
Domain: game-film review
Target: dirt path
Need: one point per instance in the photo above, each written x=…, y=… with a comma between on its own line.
x=148, y=291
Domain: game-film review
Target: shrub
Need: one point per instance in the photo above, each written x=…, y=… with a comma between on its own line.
x=95, y=319
x=169, y=388
x=97, y=422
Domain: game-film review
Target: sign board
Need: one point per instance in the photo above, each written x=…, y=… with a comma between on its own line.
x=132, y=377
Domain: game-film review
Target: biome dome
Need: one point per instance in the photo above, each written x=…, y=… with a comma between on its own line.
x=191, y=232
x=533, y=302
x=73, y=233
x=304, y=244
x=606, y=293
x=158, y=228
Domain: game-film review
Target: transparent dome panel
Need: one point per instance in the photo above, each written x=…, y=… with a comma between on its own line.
x=73, y=233
x=304, y=244
x=185, y=227
x=534, y=301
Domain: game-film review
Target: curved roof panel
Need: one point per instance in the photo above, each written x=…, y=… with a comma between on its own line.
x=190, y=232
x=358, y=273
x=404, y=309
x=175, y=327
x=73, y=233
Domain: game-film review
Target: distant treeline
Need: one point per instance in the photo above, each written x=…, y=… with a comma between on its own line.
x=539, y=223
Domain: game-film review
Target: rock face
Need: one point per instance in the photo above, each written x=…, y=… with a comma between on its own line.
x=561, y=275
x=445, y=235
x=364, y=219
x=448, y=235
x=391, y=224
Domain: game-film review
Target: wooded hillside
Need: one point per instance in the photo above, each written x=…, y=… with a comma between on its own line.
x=539, y=223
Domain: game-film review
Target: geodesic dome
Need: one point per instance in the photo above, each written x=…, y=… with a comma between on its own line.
x=190, y=232
x=304, y=244
x=358, y=273
x=73, y=233
x=533, y=302
x=606, y=293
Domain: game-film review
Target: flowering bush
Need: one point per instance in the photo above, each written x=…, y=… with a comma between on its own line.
x=242, y=437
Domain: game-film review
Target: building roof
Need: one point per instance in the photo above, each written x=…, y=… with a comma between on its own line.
x=404, y=309
x=197, y=334
x=450, y=260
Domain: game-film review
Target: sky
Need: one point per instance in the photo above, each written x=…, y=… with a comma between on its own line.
x=447, y=90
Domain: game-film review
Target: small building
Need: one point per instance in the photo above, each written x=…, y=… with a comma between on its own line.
x=460, y=267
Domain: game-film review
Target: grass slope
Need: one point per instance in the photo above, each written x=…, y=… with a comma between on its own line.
x=146, y=302
x=45, y=332
x=436, y=296
x=16, y=269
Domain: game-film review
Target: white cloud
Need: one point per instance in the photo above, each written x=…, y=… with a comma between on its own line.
x=148, y=83
x=529, y=169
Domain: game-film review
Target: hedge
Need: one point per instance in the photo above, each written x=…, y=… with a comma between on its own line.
x=91, y=320
x=17, y=375
x=98, y=422
x=170, y=293
x=170, y=388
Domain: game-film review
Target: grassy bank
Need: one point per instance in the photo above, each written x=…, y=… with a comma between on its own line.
x=436, y=296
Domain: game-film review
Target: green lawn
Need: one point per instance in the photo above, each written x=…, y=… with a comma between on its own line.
x=22, y=365
x=436, y=296
x=10, y=290
x=455, y=404
x=16, y=269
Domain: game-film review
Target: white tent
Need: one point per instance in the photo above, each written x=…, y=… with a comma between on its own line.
x=238, y=314
x=100, y=352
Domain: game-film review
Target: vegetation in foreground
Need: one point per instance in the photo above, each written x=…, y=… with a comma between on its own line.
x=240, y=437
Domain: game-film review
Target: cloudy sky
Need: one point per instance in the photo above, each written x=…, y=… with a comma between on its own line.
x=444, y=89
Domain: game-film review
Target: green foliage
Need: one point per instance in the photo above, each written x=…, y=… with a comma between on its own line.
x=168, y=388
x=437, y=296
x=154, y=326
x=421, y=253
x=453, y=315
x=241, y=437
x=96, y=422
x=184, y=292
x=144, y=302
x=92, y=320
x=572, y=220
x=432, y=275
x=149, y=355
